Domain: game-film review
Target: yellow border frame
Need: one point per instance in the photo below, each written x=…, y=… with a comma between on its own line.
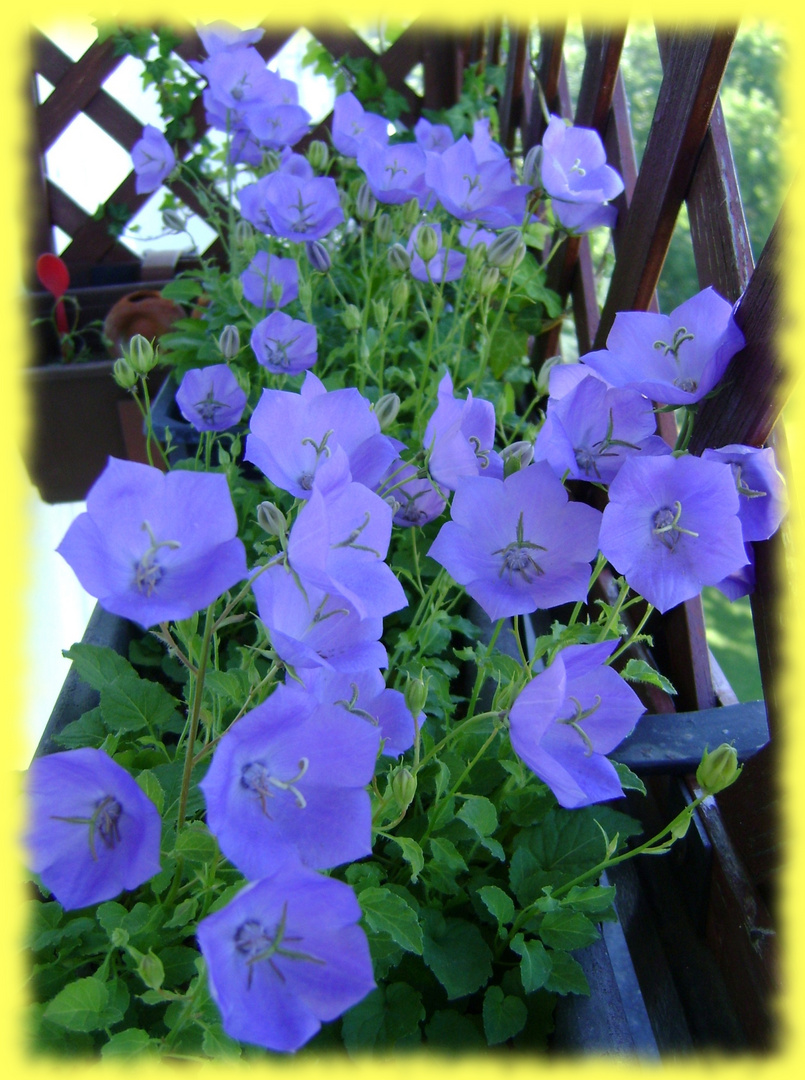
x=14, y=527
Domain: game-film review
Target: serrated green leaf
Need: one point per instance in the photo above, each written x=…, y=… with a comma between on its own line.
x=642, y=671
x=480, y=814
x=152, y=788
x=196, y=844
x=98, y=665
x=498, y=903
x=128, y=1043
x=412, y=854
x=457, y=954
x=446, y=853
x=134, y=704
x=504, y=1016
x=567, y=976
x=217, y=1044
x=88, y=730
x=80, y=1006
x=387, y=1017
x=535, y=963
x=387, y=912
x=569, y=930
x=628, y=780
x=595, y=899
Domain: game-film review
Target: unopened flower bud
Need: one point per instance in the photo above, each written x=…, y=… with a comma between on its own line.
x=403, y=787
x=386, y=409
x=476, y=257
x=173, y=221
x=272, y=160
x=398, y=258
x=400, y=294
x=149, y=968
x=318, y=155
x=351, y=317
x=271, y=519
x=411, y=212
x=416, y=694
x=243, y=239
x=229, y=342
x=140, y=354
x=532, y=167
x=384, y=228
x=365, y=203
x=318, y=256
x=506, y=250
x=718, y=770
x=426, y=243
x=124, y=374
x=488, y=280
x=380, y=310
x=517, y=456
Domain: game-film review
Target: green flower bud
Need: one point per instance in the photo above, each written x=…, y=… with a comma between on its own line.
x=272, y=160
x=476, y=257
x=173, y=221
x=271, y=519
x=124, y=374
x=380, y=310
x=398, y=258
x=351, y=317
x=229, y=342
x=400, y=294
x=365, y=203
x=318, y=154
x=386, y=410
x=403, y=787
x=426, y=243
x=384, y=228
x=140, y=354
x=411, y=212
x=416, y=694
x=243, y=236
x=506, y=250
x=718, y=770
x=532, y=167
x=149, y=968
x=488, y=280
x=516, y=457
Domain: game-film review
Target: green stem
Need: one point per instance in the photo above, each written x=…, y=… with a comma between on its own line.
x=435, y=812
x=198, y=689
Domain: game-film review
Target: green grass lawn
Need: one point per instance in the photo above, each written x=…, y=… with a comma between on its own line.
x=732, y=638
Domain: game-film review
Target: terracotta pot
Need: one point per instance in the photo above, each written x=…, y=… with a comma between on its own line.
x=143, y=312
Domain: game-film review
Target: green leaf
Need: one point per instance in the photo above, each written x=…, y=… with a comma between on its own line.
x=217, y=1044
x=390, y=1016
x=642, y=671
x=503, y=1016
x=570, y=930
x=628, y=780
x=135, y=704
x=457, y=954
x=184, y=914
x=595, y=899
x=480, y=814
x=98, y=665
x=499, y=904
x=81, y=1006
x=196, y=844
x=535, y=963
x=412, y=854
x=446, y=853
x=386, y=911
x=152, y=788
x=128, y=1043
x=88, y=730
x=566, y=975
x=452, y=1030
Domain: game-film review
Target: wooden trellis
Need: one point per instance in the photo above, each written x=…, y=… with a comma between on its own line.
x=687, y=160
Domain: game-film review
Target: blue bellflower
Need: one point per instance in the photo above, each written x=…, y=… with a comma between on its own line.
x=92, y=831
x=211, y=398
x=285, y=955
x=153, y=546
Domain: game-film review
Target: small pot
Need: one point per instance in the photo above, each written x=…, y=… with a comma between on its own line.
x=144, y=312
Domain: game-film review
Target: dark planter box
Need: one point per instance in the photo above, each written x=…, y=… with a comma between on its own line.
x=657, y=987
x=78, y=415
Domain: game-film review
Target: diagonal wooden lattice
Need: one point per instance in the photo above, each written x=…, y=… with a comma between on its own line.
x=78, y=87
